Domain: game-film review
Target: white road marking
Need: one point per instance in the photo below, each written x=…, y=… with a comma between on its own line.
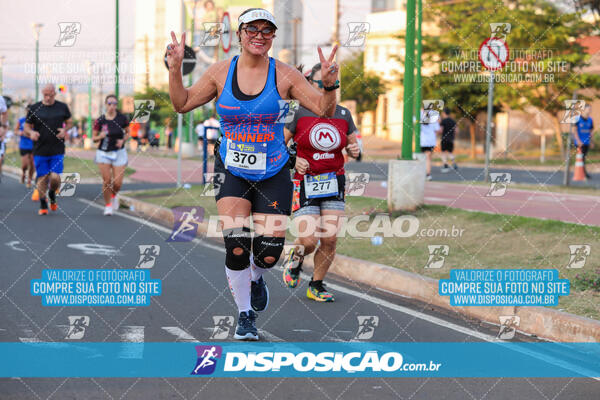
x=153, y=225
x=132, y=334
x=269, y=336
x=180, y=334
x=372, y=299
x=261, y=333
x=429, y=198
x=29, y=337
x=13, y=245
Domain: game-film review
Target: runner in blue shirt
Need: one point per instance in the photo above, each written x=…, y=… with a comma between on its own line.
x=583, y=134
x=26, y=151
x=252, y=160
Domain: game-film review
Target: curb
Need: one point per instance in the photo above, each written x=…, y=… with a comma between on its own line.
x=538, y=321
x=17, y=172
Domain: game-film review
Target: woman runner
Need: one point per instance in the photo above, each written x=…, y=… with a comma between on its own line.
x=111, y=131
x=320, y=173
x=253, y=158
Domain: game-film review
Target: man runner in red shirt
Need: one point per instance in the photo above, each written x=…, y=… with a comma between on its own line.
x=320, y=173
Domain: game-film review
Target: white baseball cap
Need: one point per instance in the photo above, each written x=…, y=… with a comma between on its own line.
x=255, y=15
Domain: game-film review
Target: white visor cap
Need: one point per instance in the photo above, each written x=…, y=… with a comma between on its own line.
x=256, y=15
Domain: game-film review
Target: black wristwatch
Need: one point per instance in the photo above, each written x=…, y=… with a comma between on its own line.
x=336, y=85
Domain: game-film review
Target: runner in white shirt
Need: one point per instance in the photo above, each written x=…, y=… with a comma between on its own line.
x=428, y=140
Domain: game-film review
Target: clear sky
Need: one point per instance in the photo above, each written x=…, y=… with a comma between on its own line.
x=95, y=42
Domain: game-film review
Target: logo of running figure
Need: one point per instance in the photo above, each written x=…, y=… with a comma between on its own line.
x=357, y=33
x=223, y=325
x=142, y=110
x=500, y=30
x=186, y=223
x=499, y=183
x=214, y=181
x=437, y=255
x=207, y=359
x=579, y=255
x=68, y=183
x=68, y=33
x=77, y=325
x=431, y=111
x=573, y=110
x=212, y=34
x=366, y=326
x=148, y=254
x=287, y=110
x=357, y=183
x=508, y=326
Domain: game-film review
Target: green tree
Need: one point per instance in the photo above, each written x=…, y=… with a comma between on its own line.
x=537, y=26
x=359, y=85
x=163, y=109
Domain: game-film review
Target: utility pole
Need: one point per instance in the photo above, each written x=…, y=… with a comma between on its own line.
x=188, y=139
x=147, y=59
x=418, y=79
x=336, y=41
x=409, y=70
x=89, y=116
x=117, y=51
x=295, y=22
x=36, y=33
x=2, y=74
x=336, y=22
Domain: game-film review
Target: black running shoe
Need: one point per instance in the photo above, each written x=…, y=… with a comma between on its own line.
x=246, y=326
x=259, y=295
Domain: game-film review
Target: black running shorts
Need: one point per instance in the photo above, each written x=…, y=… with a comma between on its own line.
x=270, y=196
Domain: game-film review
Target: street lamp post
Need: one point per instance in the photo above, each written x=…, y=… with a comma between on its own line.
x=117, y=50
x=36, y=32
x=2, y=74
x=409, y=71
x=188, y=139
x=89, y=116
x=419, y=91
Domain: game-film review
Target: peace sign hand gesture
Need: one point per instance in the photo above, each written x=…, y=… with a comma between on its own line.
x=175, y=51
x=329, y=68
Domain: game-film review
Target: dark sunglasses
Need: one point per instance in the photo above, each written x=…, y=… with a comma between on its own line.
x=112, y=103
x=252, y=31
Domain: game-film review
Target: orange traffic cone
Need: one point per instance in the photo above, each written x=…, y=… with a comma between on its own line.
x=579, y=173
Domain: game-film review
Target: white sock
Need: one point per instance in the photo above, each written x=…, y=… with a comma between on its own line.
x=239, y=284
x=256, y=271
x=452, y=157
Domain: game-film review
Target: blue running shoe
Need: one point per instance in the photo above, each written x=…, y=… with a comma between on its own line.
x=259, y=295
x=246, y=326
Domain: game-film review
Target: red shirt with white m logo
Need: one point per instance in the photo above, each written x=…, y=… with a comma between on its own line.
x=321, y=140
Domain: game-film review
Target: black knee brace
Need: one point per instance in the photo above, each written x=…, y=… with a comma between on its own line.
x=267, y=246
x=237, y=238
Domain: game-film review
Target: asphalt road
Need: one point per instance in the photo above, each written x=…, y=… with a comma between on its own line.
x=194, y=290
x=378, y=171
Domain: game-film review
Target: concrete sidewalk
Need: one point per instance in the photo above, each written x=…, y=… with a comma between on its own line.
x=574, y=208
x=154, y=168
x=378, y=149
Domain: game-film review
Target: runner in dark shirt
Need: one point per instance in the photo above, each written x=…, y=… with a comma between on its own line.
x=110, y=132
x=46, y=124
x=448, y=132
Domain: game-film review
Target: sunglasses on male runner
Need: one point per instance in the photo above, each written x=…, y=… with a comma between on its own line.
x=252, y=31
